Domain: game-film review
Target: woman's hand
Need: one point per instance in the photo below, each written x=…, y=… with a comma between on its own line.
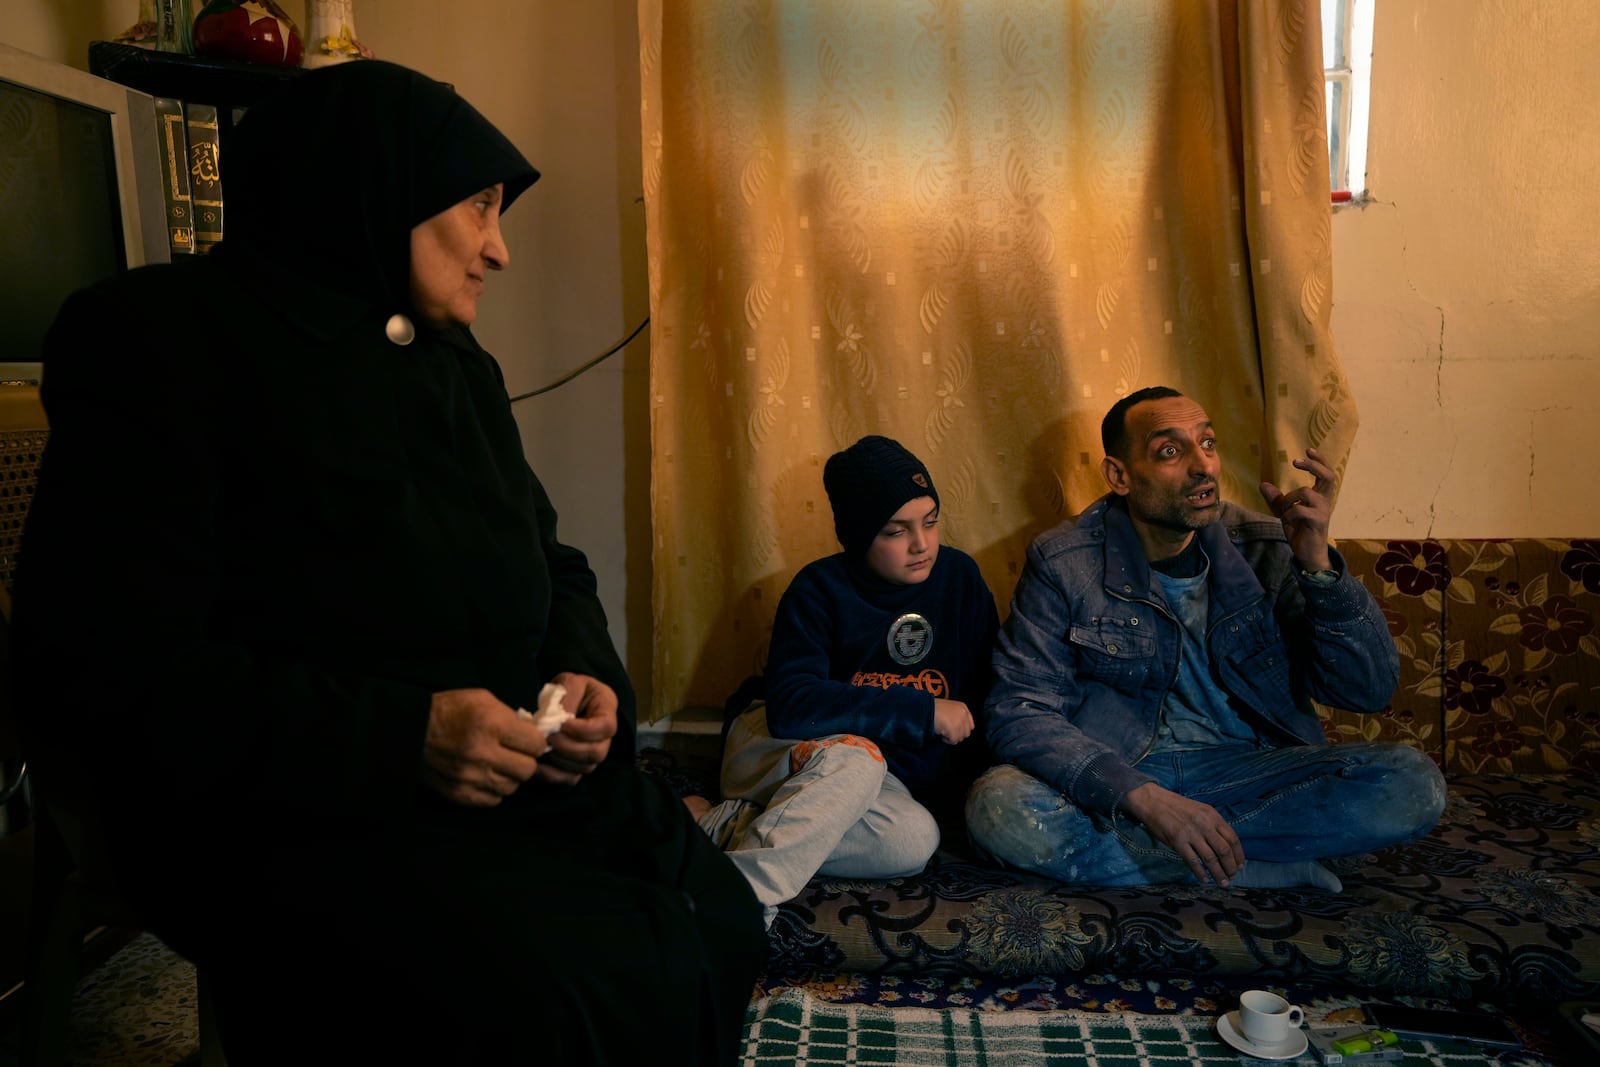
x=584, y=741
x=477, y=751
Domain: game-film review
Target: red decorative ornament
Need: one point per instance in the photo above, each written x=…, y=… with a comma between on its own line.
x=255, y=31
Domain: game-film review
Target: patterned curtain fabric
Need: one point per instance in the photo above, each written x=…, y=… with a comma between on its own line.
x=970, y=227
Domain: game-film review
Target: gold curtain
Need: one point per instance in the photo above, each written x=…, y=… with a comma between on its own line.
x=970, y=227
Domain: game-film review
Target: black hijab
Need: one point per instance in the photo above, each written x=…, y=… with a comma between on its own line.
x=325, y=179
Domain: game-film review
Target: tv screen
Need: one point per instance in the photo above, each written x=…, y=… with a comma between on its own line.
x=59, y=210
x=80, y=194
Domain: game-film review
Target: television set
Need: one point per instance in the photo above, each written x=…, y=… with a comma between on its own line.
x=80, y=195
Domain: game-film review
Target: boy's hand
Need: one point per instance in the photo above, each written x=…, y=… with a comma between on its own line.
x=951, y=721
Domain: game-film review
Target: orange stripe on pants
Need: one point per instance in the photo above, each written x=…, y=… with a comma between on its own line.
x=801, y=754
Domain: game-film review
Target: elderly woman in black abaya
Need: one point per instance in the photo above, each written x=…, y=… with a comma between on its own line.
x=287, y=579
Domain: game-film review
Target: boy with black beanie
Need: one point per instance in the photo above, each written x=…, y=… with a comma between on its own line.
x=865, y=744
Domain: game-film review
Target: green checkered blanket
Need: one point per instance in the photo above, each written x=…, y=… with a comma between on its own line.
x=793, y=1028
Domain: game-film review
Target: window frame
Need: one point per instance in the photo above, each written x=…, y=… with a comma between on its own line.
x=1347, y=84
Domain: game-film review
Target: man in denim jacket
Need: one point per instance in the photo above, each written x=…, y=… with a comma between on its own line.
x=1152, y=704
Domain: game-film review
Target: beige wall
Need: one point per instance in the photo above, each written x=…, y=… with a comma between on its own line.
x=1467, y=292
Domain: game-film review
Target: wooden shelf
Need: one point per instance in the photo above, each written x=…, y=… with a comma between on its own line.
x=225, y=83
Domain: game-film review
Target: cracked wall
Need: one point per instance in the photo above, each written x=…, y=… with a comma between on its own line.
x=1467, y=290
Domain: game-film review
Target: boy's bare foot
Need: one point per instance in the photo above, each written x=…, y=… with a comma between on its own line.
x=697, y=806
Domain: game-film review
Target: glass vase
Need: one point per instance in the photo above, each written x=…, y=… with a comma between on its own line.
x=174, y=26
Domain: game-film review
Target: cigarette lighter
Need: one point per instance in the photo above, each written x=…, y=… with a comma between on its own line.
x=1365, y=1041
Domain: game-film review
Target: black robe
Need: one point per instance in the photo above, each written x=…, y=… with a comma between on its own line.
x=263, y=536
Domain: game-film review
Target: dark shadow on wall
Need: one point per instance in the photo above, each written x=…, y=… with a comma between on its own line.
x=746, y=622
x=1044, y=503
x=736, y=644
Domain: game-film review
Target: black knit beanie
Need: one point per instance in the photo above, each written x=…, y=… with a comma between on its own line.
x=867, y=483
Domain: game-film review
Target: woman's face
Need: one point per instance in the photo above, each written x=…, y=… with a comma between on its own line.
x=451, y=255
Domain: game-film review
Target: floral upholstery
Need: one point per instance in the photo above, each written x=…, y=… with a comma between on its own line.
x=1500, y=682
x=1499, y=654
x=1522, y=667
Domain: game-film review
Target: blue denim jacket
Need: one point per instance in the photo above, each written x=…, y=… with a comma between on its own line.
x=1091, y=647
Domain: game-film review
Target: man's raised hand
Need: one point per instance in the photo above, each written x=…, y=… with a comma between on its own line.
x=1306, y=512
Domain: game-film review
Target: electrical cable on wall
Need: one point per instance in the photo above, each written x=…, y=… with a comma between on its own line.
x=595, y=362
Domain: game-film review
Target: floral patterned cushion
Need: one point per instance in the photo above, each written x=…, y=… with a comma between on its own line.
x=1499, y=655
x=1406, y=578
x=1500, y=683
x=1501, y=901
x=1521, y=671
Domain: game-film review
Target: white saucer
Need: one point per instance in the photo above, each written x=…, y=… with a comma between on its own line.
x=1292, y=1046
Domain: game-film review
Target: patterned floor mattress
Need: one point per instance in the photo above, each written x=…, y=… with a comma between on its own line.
x=1500, y=903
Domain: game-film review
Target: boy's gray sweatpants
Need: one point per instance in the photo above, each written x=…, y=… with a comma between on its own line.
x=795, y=809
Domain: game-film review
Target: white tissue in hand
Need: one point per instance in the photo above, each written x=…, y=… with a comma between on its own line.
x=552, y=713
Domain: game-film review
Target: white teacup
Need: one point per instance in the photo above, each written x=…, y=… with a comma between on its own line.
x=1266, y=1018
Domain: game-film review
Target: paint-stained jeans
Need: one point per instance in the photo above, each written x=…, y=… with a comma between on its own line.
x=1305, y=802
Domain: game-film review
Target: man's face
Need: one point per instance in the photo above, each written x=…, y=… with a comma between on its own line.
x=1169, y=475
x=905, y=549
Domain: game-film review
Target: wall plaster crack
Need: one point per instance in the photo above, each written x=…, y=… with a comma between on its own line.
x=1444, y=479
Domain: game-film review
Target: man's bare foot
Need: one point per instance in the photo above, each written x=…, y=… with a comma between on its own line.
x=697, y=806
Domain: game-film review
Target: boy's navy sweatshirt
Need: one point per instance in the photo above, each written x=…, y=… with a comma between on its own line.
x=854, y=654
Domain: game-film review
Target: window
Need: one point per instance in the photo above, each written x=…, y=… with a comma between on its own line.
x=1347, y=82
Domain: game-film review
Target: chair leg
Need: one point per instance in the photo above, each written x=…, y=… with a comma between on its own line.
x=211, y=1054
x=52, y=963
